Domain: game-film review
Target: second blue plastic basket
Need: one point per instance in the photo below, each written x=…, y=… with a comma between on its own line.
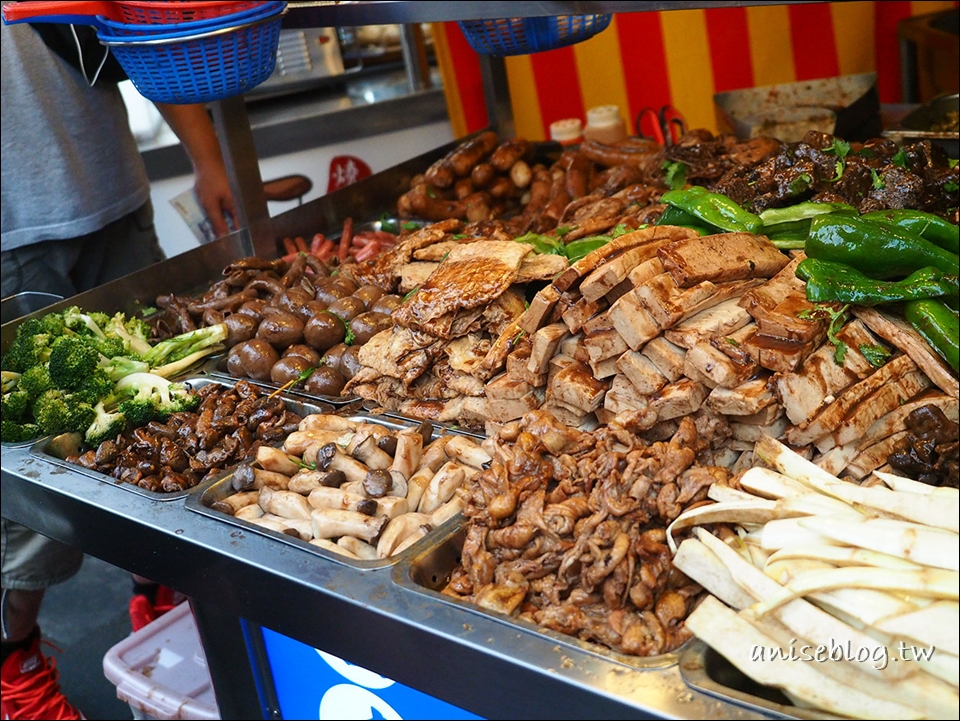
x=521, y=36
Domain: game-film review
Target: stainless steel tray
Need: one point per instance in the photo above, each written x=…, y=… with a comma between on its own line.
x=220, y=487
x=44, y=449
x=706, y=670
x=426, y=570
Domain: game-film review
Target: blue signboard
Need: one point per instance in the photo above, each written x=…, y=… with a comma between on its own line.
x=312, y=684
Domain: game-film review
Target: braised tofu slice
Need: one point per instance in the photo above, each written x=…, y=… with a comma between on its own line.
x=669, y=304
x=834, y=413
x=721, y=258
x=720, y=368
x=633, y=321
x=536, y=316
x=902, y=335
x=505, y=387
x=723, y=319
x=614, y=271
x=641, y=371
x=544, y=345
x=576, y=386
x=804, y=391
x=876, y=405
x=667, y=357
x=743, y=400
x=680, y=398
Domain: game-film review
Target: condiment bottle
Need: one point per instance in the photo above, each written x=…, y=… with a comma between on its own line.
x=604, y=125
x=568, y=131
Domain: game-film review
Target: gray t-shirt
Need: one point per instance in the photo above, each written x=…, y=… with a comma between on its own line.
x=70, y=161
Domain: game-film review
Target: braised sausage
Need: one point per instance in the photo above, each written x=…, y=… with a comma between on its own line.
x=509, y=152
x=469, y=153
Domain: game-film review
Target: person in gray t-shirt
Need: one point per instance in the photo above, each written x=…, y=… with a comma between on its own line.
x=76, y=213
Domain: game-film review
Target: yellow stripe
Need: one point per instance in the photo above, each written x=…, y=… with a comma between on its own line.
x=451, y=89
x=771, y=48
x=854, y=35
x=601, y=76
x=688, y=66
x=527, y=119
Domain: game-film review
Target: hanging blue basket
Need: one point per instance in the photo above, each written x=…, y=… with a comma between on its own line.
x=220, y=61
x=521, y=36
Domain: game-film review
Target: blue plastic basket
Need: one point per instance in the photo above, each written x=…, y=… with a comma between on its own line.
x=521, y=36
x=223, y=60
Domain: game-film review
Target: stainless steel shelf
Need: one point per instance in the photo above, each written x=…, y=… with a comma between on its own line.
x=322, y=14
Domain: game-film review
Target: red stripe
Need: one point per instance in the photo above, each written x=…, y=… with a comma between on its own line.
x=558, y=86
x=644, y=60
x=729, y=48
x=814, y=46
x=466, y=64
x=887, y=44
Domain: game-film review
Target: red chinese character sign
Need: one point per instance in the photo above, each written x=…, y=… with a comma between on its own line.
x=346, y=169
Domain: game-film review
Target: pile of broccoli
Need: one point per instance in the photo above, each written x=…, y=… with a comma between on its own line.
x=93, y=374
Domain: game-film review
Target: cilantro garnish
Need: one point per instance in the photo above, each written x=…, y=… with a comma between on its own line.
x=837, y=318
x=410, y=294
x=900, y=158
x=875, y=355
x=800, y=183
x=878, y=182
x=675, y=174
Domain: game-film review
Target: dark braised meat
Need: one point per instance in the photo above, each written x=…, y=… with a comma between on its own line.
x=928, y=453
x=190, y=447
x=567, y=529
x=874, y=175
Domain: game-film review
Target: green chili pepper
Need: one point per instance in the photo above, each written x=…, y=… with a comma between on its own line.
x=682, y=219
x=938, y=325
x=927, y=225
x=576, y=249
x=875, y=250
x=803, y=211
x=713, y=209
x=829, y=282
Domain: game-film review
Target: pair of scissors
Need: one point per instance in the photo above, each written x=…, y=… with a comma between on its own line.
x=666, y=125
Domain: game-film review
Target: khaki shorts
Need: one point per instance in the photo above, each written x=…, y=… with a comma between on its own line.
x=32, y=561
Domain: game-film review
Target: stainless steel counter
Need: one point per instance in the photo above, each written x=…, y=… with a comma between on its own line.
x=375, y=618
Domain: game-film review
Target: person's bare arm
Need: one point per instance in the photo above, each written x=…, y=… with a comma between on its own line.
x=193, y=126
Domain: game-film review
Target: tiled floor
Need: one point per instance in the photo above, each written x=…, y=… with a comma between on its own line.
x=85, y=617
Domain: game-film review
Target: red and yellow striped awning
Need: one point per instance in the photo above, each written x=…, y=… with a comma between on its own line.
x=682, y=57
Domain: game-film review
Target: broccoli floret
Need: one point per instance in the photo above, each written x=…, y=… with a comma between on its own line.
x=148, y=396
x=84, y=323
x=111, y=346
x=72, y=360
x=58, y=412
x=13, y=432
x=26, y=351
x=189, y=346
x=134, y=332
x=95, y=388
x=35, y=381
x=9, y=380
x=139, y=411
x=106, y=425
x=53, y=324
x=120, y=366
x=15, y=406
